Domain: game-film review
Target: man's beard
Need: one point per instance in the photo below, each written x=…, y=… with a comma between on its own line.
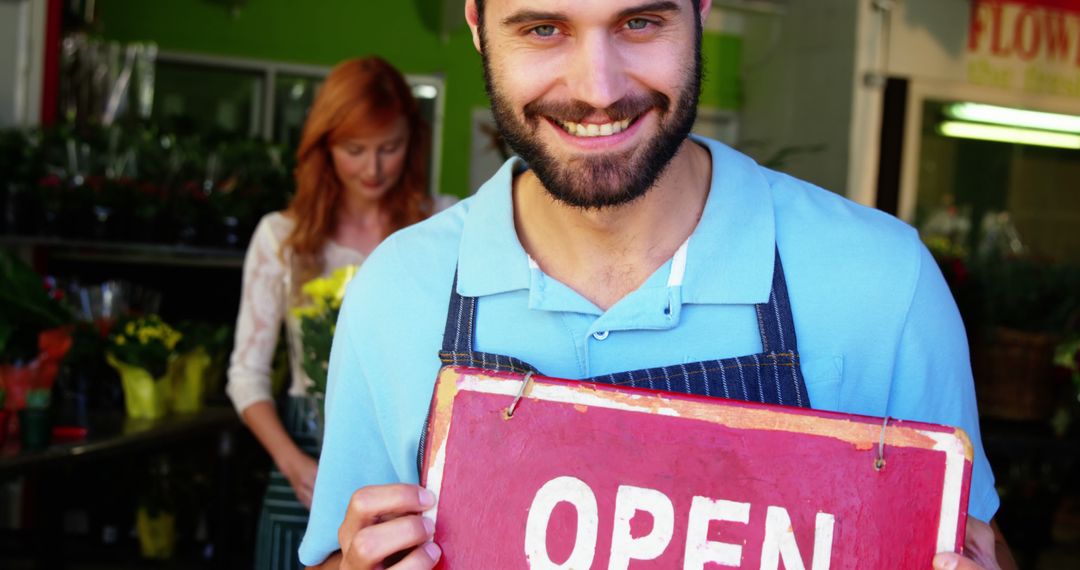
x=594, y=182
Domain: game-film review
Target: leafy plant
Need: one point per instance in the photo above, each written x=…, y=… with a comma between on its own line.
x=26, y=309
x=1027, y=294
x=214, y=338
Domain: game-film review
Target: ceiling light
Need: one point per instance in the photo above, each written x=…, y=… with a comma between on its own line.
x=996, y=133
x=1010, y=117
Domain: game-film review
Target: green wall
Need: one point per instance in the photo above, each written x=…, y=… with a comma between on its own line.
x=323, y=32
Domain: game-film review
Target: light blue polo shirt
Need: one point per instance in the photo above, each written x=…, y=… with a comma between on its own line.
x=878, y=331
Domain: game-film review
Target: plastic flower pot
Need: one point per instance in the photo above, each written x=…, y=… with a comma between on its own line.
x=145, y=397
x=188, y=373
x=156, y=532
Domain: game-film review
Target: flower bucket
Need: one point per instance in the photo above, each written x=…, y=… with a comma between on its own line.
x=157, y=533
x=1014, y=374
x=189, y=381
x=145, y=397
x=35, y=428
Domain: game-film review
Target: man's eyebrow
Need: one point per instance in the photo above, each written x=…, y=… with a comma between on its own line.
x=661, y=6
x=525, y=16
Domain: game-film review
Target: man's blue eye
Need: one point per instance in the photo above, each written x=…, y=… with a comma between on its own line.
x=545, y=31
x=637, y=24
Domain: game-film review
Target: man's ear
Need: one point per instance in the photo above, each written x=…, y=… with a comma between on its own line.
x=706, y=6
x=472, y=17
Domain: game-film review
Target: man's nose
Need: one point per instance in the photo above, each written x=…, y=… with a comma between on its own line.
x=598, y=74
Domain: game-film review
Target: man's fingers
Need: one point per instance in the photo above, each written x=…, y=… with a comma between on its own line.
x=370, y=505
x=373, y=544
x=421, y=558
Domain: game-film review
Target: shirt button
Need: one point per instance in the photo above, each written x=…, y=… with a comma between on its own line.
x=600, y=335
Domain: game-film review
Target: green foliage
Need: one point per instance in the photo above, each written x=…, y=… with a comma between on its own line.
x=318, y=334
x=69, y=179
x=26, y=309
x=1027, y=294
x=214, y=338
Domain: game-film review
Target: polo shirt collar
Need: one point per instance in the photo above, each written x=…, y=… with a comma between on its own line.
x=732, y=251
x=491, y=259
x=729, y=257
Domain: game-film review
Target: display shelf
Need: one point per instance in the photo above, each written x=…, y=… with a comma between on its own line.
x=131, y=252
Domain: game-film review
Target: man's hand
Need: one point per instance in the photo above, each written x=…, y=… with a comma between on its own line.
x=984, y=549
x=385, y=520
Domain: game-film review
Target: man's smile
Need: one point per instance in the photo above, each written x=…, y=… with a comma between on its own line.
x=594, y=129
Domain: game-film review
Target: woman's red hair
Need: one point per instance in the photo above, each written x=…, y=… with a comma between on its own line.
x=359, y=95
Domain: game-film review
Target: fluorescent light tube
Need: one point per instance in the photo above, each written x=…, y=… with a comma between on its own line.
x=996, y=133
x=1010, y=117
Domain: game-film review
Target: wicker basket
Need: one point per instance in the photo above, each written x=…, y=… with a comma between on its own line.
x=1014, y=374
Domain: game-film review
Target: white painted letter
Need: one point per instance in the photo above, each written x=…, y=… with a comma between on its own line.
x=577, y=493
x=780, y=541
x=625, y=547
x=823, y=539
x=699, y=549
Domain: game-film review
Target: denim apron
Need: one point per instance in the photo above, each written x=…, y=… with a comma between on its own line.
x=770, y=377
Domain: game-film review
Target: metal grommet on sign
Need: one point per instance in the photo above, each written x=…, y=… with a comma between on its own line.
x=521, y=392
x=879, y=463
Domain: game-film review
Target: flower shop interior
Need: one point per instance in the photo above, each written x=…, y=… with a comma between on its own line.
x=141, y=142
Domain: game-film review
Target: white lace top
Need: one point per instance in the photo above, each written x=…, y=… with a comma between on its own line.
x=264, y=304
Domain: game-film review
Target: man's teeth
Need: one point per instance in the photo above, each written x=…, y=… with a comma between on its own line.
x=594, y=130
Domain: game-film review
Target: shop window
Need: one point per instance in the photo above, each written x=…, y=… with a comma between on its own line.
x=232, y=97
x=998, y=177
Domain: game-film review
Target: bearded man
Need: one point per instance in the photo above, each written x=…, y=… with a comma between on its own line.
x=619, y=243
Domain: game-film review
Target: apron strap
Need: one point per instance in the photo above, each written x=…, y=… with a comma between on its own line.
x=460, y=320
x=459, y=339
x=775, y=323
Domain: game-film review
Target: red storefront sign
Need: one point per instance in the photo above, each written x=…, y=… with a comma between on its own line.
x=594, y=476
x=1029, y=30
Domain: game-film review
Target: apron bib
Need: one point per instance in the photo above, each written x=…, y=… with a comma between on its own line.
x=769, y=377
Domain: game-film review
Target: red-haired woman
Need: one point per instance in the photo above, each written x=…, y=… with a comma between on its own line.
x=361, y=175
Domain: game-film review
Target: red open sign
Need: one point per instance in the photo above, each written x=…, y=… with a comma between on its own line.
x=594, y=476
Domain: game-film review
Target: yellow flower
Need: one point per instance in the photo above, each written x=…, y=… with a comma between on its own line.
x=120, y=341
x=325, y=293
x=318, y=289
x=340, y=278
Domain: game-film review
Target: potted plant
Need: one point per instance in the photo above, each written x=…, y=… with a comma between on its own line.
x=197, y=368
x=1023, y=307
x=141, y=349
x=318, y=319
x=32, y=331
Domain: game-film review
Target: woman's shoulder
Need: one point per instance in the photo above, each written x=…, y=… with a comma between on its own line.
x=275, y=225
x=271, y=231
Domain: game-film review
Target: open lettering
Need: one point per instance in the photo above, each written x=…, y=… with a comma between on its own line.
x=778, y=545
